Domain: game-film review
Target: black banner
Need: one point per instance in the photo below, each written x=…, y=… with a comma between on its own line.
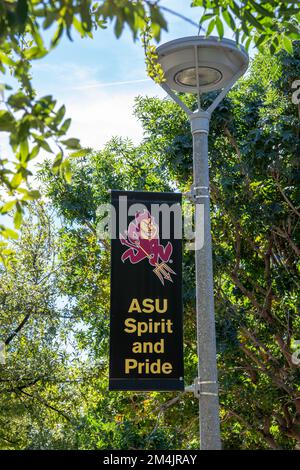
x=146, y=345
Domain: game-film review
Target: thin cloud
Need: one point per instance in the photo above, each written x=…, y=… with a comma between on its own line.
x=102, y=85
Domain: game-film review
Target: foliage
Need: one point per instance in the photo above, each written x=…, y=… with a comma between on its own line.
x=153, y=67
x=54, y=321
x=32, y=123
x=271, y=23
x=254, y=148
x=29, y=330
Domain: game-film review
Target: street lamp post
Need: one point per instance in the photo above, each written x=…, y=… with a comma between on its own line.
x=197, y=65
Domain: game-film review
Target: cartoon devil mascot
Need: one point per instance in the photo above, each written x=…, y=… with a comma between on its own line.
x=143, y=241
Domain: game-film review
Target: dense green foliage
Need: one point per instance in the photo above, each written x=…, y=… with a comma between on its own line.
x=54, y=295
x=263, y=23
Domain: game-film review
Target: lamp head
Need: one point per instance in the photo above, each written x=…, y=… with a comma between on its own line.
x=217, y=60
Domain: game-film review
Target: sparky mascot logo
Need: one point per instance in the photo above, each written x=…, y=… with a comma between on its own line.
x=142, y=240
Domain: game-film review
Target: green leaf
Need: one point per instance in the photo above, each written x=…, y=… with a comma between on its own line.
x=259, y=40
x=8, y=206
x=35, y=53
x=60, y=114
x=79, y=153
x=17, y=180
x=9, y=233
x=236, y=9
x=57, y=35
x=30, y=195
x=210, y=27
x=7, y=251
x=287, y=44
x=71, y=143
x=272, y=48
x=67, y=172
x=38, y=39
x=57, y=162
x=43, y=143
x=24, y=150
x=5, y=59
x=18, y=217
x=65, y=127
x=19, y=100
x=253, y=21
x=22, y=11
x=263, y=11
x=34, y=152
x=206, y=17
x=220, y=27
x=85, y=15
x=229, y=20
x=247, y=44
x=119, y=26
x=49, y=19
x=7, y=122
x=78, y=26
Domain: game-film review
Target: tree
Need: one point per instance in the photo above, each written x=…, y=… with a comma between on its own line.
x=54, y=304
x=254, y=144
x=61, y=399
x=44, y=383
x=143, y=422
x=267, y=23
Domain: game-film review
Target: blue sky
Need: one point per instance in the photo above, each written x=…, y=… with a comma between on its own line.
x=98, y=79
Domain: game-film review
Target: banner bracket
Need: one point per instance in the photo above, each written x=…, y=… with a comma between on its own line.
x=196, y=388
x=196, y=193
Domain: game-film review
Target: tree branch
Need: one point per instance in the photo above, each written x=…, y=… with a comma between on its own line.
x=16, y=331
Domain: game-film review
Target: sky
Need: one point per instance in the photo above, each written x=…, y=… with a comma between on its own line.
x=98, y=79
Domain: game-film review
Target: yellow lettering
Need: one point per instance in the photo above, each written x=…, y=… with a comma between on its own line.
x=158, y=309
x=166, y=368
x=148, y=306
x=130, y=324
x=147, y=367
x=137, y=348
x=130, y=364
x=134, y=306
x=159, y=347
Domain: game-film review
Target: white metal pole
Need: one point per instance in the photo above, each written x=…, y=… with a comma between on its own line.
x=206, y=385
